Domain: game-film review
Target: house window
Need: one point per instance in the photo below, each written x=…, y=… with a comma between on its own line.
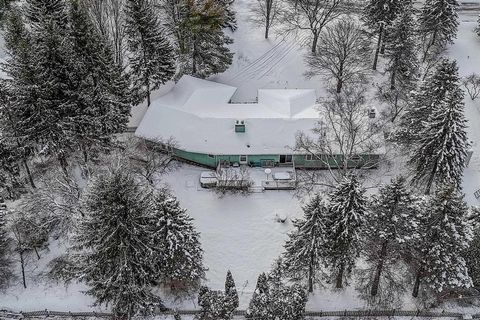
x=309, y=157
x=243, y=159
x=286, y=158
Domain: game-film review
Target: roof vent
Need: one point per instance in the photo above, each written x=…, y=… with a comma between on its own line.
x=240, y=126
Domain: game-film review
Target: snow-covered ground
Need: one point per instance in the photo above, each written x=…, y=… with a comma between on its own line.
x=237, y=232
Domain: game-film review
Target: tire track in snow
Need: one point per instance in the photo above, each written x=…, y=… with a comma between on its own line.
x=260, y=59
x=282, y=58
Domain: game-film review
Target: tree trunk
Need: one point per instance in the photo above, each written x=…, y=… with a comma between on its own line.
x=382, y=50
x=267, y=28
x=416, y=287
x=310, y=272
x=22, y=266
x=315, y=42
x=378, y=271
x=63, y=164
x=268, y=8
x=430, y=44
x=29, y=174
x=148, y=95
x=379, y=43
x=194, y=56
x=36, y=252
x=339, y=280
x=392, y=80
x=339, y=86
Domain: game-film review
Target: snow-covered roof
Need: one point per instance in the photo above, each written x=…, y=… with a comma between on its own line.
x=199, y=116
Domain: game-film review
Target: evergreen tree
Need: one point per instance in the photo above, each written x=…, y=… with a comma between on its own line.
x=217, y=305
x=272, y=301
x=377, y=15
x=304, y=248
x=348, y=209
x=231, y=295
x=472, y=258
x=6, y=274
x=203, y=47
x=441, y=153
x=116, y=246
x=41, y=75
x=211, y=304
x=432, y=91
x=438, y=24
x=101, y=98
x=436, y=257
x=259, y=307
x=38, y=10
x=151, y=55
x=181, y=253
x=477, y=29
x=230, y=21
x=391, y=224
x=401, y=49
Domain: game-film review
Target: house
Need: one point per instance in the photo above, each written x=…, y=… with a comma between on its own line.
x=210, y=130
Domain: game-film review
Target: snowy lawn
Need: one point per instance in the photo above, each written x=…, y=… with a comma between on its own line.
x=240, y=233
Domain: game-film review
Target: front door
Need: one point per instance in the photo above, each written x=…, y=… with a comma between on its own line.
x=285, y=158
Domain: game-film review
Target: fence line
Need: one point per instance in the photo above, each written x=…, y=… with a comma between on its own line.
x=345, y=313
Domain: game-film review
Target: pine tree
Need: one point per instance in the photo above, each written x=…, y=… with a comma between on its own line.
x=181, y=257
x=432, y=91
x=472, y=258
x=391, y=224
x=478, y=27
x=38, y=10
x=348, y=209
x=401, y=49
x=446, y=232
x=216, y=305
x=377, y=15
x=438, y=24
x=272, y=301
x=6, y=274
x=230, y=21
x=440, y=156
x=116, y=247
x=304, y=248
x=259, y=307
x=231, y=295
x=151, y=55
x=102, y=101
x=41, y=75
x=203, y=48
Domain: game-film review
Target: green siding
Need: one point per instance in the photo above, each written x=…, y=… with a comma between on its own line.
x=257, y=160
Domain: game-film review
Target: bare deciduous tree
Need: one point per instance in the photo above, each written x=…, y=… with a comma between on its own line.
x=395, y=100
x=266, y=13
x=342, y=54
x=109, y=18
x=346, y=135
x=472, y=84
x=312, y=15
x=149, y=159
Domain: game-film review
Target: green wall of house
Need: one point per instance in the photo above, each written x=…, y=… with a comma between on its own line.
x=260, y=160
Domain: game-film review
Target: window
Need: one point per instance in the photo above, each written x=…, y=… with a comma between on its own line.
x=243, y=159
x=286, y=158
x=211, y=156
x=309, y=157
